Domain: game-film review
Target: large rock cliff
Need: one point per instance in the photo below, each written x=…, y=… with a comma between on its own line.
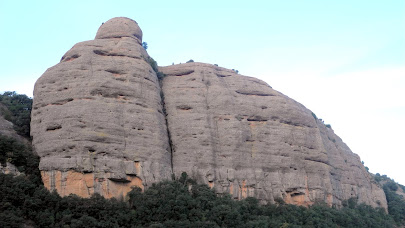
x=97, y=120
x=240, y=136
x=100, y=125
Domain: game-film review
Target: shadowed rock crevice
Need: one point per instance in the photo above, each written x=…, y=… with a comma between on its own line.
x=69, y=58
x=171, y=146
x=106, y=53
x=253, y=93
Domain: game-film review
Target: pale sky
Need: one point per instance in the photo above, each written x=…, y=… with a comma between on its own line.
x=344, y=60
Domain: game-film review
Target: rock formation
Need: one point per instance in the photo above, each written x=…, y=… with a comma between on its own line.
x=97, y=120
x=240, y=136
x=98, y=123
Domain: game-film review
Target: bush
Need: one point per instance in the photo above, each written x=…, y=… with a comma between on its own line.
x=396, y=203
x=20, y=155
x=18, y=111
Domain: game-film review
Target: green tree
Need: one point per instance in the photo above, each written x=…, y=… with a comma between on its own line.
x=145, y=45
x=18, y=111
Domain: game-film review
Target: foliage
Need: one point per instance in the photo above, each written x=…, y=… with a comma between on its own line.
x=190, y=61
x=160, y=75
x=313, y=115
x=145, y=45
x=396, y=203
x=21, y=156
x=31, y=202
x=18, y=111
x=176, y=203
x=154, y=65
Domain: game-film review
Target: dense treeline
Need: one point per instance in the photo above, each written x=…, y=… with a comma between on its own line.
x=396, y=202
x=18, y=111
x=177, y=203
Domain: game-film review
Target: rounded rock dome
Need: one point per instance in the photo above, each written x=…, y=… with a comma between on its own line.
x=119, y=27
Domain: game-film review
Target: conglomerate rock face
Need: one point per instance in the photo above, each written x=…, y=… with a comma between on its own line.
x=240, y=136
x=99, y=126
x=97, y=120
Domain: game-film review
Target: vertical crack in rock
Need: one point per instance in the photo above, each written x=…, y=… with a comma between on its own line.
x=171, y=146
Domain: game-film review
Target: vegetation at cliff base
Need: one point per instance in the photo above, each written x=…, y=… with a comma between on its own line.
x=177, y=203
x=17, y=111
x=396, y=202
x=20, y=155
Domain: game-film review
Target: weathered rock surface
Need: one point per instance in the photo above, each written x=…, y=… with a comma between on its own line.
x=97, y=120
x=99, y=126
x=240, y=136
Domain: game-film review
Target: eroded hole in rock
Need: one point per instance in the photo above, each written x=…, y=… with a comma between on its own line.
x=223, y=75
x=62, y=102
x=297, y=194
x=70, y=58
x=184, y=107
x=274, y=118
x=289, y=190
x=122, y=180
x=316, y=160
x=254, y=93
x=53, y=127
x=290, y=123
x=102, y=153
x=112, y=71
x=142, y=105
x=257, y=118
x=187, y=72
x=63, y=88
x=100, y=52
